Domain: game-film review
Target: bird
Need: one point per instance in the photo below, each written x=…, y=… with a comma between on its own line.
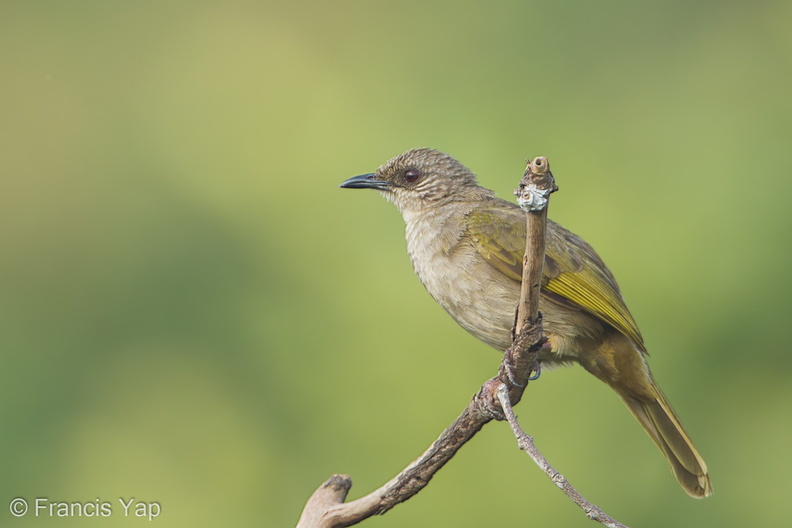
x=467, y=246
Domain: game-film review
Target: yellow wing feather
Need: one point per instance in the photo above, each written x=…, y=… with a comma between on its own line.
x=572, y=269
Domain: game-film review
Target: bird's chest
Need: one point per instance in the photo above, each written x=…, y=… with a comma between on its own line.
x=460, y=281
x=435, y=251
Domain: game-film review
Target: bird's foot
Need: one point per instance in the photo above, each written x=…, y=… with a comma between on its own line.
x=508, y=368
x=536, y=371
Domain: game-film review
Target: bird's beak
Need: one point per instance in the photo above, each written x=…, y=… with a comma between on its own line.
x=366, y=181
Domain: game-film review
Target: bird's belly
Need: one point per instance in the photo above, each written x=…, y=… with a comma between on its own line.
x=479, y=300
x=486, y=311
x=484, y=302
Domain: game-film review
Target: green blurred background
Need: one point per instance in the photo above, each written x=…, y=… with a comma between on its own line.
x=192, y=312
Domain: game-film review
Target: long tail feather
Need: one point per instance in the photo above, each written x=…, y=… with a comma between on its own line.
x=664, y=427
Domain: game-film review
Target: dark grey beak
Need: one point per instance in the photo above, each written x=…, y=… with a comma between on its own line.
x=366, y=181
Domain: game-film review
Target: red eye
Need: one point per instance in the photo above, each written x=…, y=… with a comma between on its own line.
x=411, y=175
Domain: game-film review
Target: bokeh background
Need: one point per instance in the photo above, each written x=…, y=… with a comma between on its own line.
x=193, y=313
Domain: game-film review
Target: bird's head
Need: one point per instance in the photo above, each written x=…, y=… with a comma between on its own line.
x=420, y=179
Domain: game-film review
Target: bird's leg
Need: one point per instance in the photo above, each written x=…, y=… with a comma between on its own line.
x=536, y=369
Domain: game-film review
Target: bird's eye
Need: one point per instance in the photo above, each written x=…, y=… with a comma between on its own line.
x=412, y=175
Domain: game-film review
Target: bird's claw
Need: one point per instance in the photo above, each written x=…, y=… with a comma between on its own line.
x=537, y=371
x=511, y=377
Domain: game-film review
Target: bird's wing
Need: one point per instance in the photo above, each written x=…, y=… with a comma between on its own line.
x=571, y=268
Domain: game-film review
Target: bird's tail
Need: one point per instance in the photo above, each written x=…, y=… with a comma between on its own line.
x=664, y=427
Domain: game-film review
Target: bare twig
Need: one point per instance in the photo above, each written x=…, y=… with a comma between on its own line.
x=533, y=196
x=527, y=444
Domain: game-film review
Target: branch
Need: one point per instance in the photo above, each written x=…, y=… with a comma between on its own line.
x=526, y=443
x=533, y=197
